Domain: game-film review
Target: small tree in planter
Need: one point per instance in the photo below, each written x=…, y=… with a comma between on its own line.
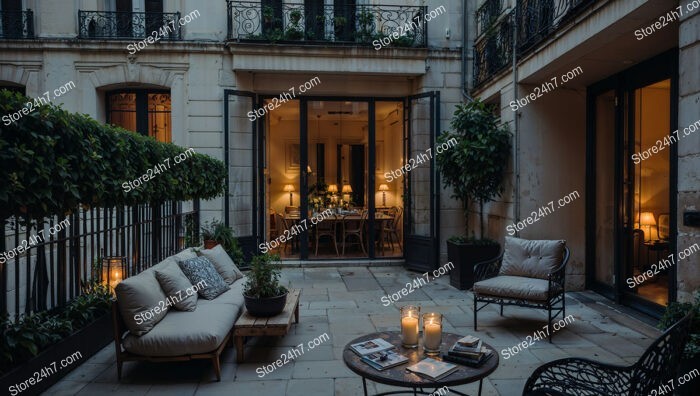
x=474, y=168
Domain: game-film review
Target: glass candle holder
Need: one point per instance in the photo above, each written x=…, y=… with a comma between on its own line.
x=410, y=318
x=432, y=333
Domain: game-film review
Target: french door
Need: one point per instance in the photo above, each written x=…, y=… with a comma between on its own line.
x=631, y=226
x=421, y=182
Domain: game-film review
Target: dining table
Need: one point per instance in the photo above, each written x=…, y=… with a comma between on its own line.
x=350, y=215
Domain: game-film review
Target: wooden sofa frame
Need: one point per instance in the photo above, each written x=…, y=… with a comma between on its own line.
x=125, y=356
x=490, y=268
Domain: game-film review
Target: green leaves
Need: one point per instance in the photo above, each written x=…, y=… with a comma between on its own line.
x=56, y=160
x=475, y=167
x=263, y=277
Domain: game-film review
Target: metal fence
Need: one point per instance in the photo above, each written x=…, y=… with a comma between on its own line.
x=316, y=22
x=43, y=266
x=129, y=25
x=16, y=24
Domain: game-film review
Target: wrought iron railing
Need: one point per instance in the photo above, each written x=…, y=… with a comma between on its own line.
x=129, y=25
x=494, y=52
x=16, y=24
x=537, y=19
x=487, y=14
x=269, y=21
x=42, y=269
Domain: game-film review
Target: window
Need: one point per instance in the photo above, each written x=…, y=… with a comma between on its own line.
x=144, y=111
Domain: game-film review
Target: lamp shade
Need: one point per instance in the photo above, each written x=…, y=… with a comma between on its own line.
x=347, y=188
x=647, y=219
x=288, y=187
x=383, y=187
x=332, y=188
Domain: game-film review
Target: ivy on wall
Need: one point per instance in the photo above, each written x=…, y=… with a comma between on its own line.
x=52, y=161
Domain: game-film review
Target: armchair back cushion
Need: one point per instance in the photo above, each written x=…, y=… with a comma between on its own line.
x=531, y=259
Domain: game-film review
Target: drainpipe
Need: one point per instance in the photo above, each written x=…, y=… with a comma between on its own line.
x=465, y=45
x=516, y=124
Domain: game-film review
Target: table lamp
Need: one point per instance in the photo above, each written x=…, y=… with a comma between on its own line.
x=647, y=220
x=383, y=188
x=289, y=188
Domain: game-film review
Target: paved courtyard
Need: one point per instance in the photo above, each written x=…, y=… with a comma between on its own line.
x=345, y=302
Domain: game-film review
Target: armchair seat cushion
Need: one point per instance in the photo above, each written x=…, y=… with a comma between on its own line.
x=516, y=287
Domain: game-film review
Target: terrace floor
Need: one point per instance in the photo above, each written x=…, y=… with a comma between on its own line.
x=345, y=303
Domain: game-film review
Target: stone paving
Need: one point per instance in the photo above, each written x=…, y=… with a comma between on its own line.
x=345, y=303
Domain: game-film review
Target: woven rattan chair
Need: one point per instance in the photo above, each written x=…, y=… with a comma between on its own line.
x=584, y=377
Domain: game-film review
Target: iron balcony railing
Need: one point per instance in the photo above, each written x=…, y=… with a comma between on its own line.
x=129, y=25
x=494, y=52
x=537, y=19
x=16, y=24
x=534, y=21
x=268, y=21
x=487, y=14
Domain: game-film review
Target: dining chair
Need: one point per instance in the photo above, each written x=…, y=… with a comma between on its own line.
x=281, y=226
x=327, y=227
x=273, y=224
x=354, y=228
x=392, y=229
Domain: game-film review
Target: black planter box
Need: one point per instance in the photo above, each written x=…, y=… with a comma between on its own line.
x=88, y=341
x=464, y=256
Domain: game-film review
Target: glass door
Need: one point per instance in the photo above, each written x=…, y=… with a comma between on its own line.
x=421, y=236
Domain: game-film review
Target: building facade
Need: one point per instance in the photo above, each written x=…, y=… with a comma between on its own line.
x=602, y=97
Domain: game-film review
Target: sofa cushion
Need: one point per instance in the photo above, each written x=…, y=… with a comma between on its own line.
x=223, y=263
x=177, y=287
x=533, y=259
x=141, y=302
x=186, y=333
x=232, y=297
x=516, y=287
x=200, y=269
x=186, y=254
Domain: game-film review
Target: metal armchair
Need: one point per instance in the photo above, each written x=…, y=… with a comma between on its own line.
x=553, y=300
x=584, y=377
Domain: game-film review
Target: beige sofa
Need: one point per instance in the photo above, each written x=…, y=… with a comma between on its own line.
x=176, y=335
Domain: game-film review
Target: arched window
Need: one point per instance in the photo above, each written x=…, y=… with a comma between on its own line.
x=144, y=111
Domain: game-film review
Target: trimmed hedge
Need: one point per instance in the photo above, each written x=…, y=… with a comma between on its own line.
x=52, y=161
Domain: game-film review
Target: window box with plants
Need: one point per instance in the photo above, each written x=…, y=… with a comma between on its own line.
x=34, y=346
x=474, y=169
x=263, y=294
x=690, y=360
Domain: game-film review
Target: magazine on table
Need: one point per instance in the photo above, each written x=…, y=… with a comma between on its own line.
x=371, y=346
x=433, y=369
x=385, y=360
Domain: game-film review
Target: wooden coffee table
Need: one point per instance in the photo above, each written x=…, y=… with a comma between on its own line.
x=278, y=325
x=398, y=376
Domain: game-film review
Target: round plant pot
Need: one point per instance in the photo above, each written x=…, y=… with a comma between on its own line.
x=210, y=243
x=265, y=306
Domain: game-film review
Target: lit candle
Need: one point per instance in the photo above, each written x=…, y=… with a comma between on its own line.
x=409, y=330
x=432, y=332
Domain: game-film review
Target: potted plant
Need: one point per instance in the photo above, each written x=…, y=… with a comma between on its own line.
x=263, y=294
x=690, y=360
x=365, y=21
x=209, y=233
x=474, y=167
x=294, y=31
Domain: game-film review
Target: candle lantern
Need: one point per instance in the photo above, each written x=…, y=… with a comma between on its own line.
x=432, y=333
x=410, y=316
x=113, y=271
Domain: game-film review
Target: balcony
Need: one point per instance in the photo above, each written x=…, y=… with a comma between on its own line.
x=494, y=52
x=299, y=23
x=537, y=19
x=129, y=25
x=534, y=21
x=16, y=24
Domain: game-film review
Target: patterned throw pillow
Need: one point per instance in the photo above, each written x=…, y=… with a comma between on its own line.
x=200, y=269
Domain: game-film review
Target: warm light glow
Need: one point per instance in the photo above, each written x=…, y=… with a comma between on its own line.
x=347, y=188
x=383, y=187
x=647, y=219
x=332, y=188
x=112, y=271
x=288, y=187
